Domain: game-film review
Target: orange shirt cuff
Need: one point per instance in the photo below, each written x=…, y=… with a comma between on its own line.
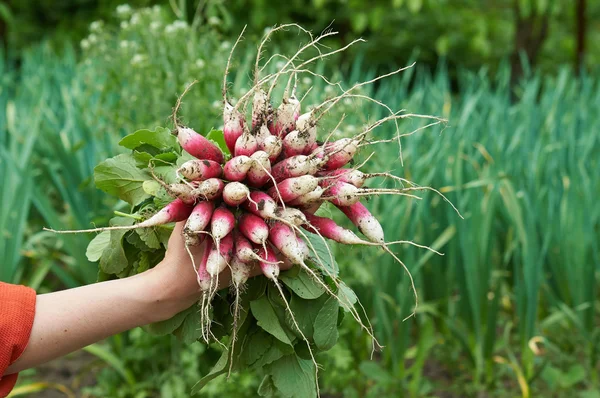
x=17, y=310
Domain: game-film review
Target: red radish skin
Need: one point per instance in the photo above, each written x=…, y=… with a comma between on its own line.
x=269, y=267
x=351, y=176
x=308, y=198
x=219, y=258
x=284, y=239
x=364, y=221
x=295, y=166
x=295, y=143
x=200, y=217
x=285, y=121
x=181, y=191
x=222, y=223
x=336, y=154
x=291, y=188
x=198, y=170
x=272, y=145
x=245, y=145
x=243, y=247
x=209, y=189
x=306, y=126
x=235, y=193
x=342, y=194
x=203, y=276
x=233, y=126
x=291, y=215
x=260, y=171
x=261, y=204
x=175, y=211
x=237, y=168
x=197, y=145
x=331, y=230
x=254, y=228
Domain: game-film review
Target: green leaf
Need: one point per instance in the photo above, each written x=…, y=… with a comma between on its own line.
x=170, y=325
x=262, y=349
x=302, y=283
x=325, y=327
x=305, y=313
x=97, y=246
x=217, y=370
x=218, y=138
x=324, y=260
x=347, y=297
x=135, y=240
x=150, y=237
x=189, y=331
x=160, y=138
x=142, y=159
x=267, y=388
x=114, y=260
x=293, y=377
x=143, y=263
x=120, y=177
x=151, y=187
x=267, y=319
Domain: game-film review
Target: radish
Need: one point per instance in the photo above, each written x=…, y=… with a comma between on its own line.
x=329, y=229
x=237, y=168
x=235, y=193
x=291, y=216
x=261, y=135
x=197, y=145
x=175, y=211
x=245, y=145
x=221, y=223
x=272, y=145
x=198, y=170
x=291, y=188
x=260, y=171
x=354, y=177
x=308, y=198
x=286, y=116
x=284, y=239
x=305, y=125
x=200, y=217
x=243, y=247
x=233, y=126
x=261, y=204
x=253, y=228
x=260, y=108
x=336, y=154
x=209, y=189
x=219, y=257
x=364, y=221
x=342, y=193
x=294, y=166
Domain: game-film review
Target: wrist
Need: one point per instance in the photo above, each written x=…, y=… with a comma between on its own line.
x=165, y=295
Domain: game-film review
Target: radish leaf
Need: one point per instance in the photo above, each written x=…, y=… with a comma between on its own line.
x=120, y=177
x=160, y=138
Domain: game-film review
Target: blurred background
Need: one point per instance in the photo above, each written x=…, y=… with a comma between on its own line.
x=510, y=310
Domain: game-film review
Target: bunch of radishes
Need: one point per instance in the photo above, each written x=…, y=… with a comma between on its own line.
x=254, y=206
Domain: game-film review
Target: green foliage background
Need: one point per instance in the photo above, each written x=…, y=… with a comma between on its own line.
x=511, y=308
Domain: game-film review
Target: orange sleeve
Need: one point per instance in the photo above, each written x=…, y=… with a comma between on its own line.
x=17, y=309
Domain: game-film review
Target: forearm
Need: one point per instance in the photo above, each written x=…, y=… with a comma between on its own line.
x=68, y=320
